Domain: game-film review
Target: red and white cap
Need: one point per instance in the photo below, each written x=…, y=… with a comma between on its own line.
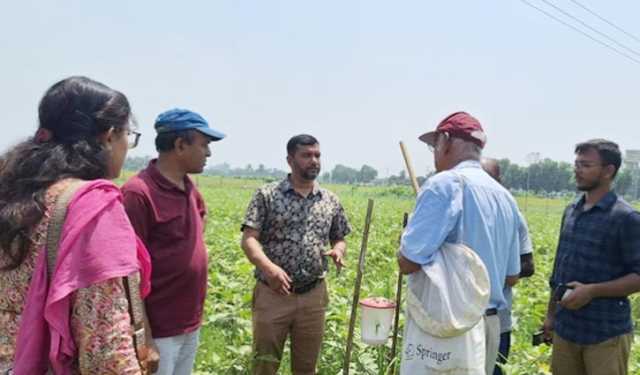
x=459, y=125
x=378, y=303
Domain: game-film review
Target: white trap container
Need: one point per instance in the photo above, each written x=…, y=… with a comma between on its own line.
x=376, y=320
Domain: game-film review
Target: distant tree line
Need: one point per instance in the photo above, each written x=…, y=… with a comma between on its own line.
x=550, y=176
x=543, y=177
x=248, y=171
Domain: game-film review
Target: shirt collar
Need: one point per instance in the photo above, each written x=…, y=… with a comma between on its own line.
x=605, y=203
x=468, y=164
x=286, y=186
x=164, y=182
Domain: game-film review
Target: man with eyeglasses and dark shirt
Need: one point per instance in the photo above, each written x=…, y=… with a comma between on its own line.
x=597, y=266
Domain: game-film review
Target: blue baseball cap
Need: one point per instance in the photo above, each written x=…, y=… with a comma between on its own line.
x=182, y=119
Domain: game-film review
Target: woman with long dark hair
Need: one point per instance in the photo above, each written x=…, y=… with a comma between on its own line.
x=74, y=319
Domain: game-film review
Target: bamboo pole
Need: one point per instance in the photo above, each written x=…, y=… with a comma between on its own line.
x=416, y=188
x=407, y=162
x=394, y=341
x=356, y=292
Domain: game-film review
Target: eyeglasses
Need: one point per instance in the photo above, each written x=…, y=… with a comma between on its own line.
x=133, y=137
x=586, y=164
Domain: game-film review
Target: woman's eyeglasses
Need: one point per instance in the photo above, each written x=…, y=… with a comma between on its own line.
x=133, y=137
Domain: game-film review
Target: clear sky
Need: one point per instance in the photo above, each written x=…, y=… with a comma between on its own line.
x=359, y=75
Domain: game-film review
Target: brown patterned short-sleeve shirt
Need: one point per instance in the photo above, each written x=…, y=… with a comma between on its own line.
x=295, y=231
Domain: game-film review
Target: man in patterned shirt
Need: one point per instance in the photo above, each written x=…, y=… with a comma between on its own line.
x=598, y=257
x=287, y=231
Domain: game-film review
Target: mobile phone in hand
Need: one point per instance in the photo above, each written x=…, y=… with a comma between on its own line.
x=538, y=338
x=561, y=292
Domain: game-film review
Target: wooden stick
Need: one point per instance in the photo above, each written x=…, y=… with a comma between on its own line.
x=407, y=162
x=396, y=321
x=356, y=292
x=416, y=188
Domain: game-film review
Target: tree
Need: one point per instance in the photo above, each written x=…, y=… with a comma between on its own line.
x=367, y=174
x=344, y=175
x=136, y=163
x=325, y=177
x=624, y=182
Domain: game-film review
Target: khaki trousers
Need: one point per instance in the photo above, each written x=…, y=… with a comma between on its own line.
x=275, y=317
x=609, y=357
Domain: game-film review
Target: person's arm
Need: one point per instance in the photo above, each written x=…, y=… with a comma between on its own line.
x=103, y=305
x=582, y=294
x=152, y=353
x=255, y=218
x=549, y=320
x=513, y=266
x=520, y=244
x=406, y=266
x=512, y=280
x=340, y=228
x=527, y=268
x=436, y=214
x=277, y=278
x=338, y=252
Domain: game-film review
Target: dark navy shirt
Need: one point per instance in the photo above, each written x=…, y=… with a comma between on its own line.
x=597, y=245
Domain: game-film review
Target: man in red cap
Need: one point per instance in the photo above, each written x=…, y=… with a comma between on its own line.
x=463, y=204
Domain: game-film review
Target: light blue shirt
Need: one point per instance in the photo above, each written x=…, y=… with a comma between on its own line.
x=525, y=248
x=489, y=223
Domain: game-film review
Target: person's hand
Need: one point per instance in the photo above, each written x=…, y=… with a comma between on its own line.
x=338, y=257
x=150, y=357
x=547, y=328
x=579, y=296
x=278, y=280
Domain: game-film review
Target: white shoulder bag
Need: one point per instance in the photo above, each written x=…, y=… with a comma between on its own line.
x=446, y=301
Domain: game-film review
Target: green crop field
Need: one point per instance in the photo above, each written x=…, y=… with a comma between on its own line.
x=225, y=346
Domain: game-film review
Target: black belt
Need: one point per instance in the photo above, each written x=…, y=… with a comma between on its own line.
x=491, y=311
x=303, y=288
x=306, y=287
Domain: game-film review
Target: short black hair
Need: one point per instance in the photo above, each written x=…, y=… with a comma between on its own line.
x=165, y=142
x=300, y=140
x=609, y=152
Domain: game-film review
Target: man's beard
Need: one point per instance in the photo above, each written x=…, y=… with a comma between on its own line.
x=310, y=174
x=586, y=187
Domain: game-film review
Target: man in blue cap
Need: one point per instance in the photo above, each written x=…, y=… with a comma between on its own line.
x=168, y=214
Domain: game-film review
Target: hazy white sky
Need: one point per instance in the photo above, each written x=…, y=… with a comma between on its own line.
x=359, y=75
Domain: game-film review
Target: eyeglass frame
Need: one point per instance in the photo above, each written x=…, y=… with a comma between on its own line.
x=136, y=138
x=587, y=164
x=434, y=147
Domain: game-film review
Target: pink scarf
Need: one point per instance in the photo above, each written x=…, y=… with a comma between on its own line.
x=97, y=243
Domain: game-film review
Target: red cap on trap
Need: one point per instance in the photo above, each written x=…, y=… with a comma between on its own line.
x=378, y=303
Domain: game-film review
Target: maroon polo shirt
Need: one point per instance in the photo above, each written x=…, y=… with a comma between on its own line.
x=170, y=222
